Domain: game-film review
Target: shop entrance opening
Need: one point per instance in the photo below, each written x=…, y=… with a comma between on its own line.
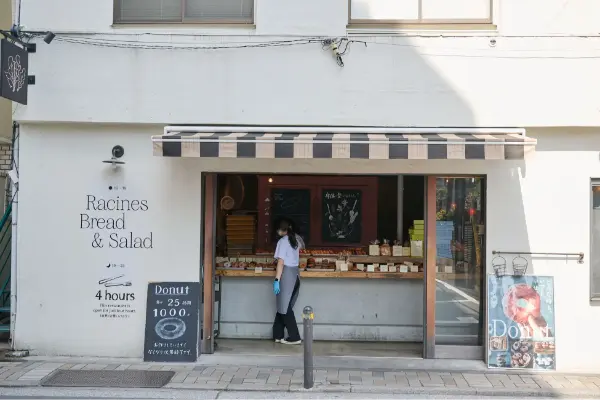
x=363, y=266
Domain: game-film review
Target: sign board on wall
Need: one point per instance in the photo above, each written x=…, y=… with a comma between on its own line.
x=342, y=215
x=521, y=322
x=293, y=204
x=108, y=220
x=172, y=322
x=14, y=64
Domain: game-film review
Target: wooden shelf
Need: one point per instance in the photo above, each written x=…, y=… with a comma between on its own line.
x=355, y=259
x=321, y=274
x=384, y=259
x=335, y=274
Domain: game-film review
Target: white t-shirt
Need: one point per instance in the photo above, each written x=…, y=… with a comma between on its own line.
x=285, y=251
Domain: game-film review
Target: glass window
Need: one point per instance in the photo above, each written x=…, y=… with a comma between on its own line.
x=176, y=11
x=595, y=243
x=460, y=223
x=421, y=11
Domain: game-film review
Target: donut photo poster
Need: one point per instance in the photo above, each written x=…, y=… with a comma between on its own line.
x=521, y=322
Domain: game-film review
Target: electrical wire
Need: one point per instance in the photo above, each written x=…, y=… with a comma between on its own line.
x=128, y=44
x=18, y=22
x=339, y=45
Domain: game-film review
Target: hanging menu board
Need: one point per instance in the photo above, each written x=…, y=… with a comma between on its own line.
x=342, y=215
x=293, y=204
x=172, y=322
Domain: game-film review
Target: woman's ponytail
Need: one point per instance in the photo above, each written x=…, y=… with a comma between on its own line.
x=287, y=226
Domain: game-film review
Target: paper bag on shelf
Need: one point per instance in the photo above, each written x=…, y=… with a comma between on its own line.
x=416, y=248
x=397, y=251
x=373, y=249
x=341, y=265
x=383, y=268
x=405, y=251
x=414, y=268
x=370, y=268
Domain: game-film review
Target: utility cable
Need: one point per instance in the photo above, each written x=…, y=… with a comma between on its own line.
x=339, y=45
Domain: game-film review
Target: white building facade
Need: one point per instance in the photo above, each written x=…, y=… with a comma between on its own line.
x=118, y=72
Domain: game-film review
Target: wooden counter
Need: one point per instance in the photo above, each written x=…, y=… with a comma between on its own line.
x=336, y=274
x=325, y=274
x=383, y=259
x=364, y=259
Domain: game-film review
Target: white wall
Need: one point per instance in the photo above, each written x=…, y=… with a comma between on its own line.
x=5, y=105
x=526, y=80
x=541, y=205
x=58, y=268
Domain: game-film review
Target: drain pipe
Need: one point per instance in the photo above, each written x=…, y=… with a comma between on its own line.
x=13, y=240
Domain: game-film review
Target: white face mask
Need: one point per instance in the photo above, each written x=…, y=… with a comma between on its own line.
x=281, y=233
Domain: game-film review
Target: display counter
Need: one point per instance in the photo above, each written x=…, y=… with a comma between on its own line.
x=408, y=267
x=364, y=301
x=338, y=274
x=349, y=304
x=324, y=274
x=380, y=307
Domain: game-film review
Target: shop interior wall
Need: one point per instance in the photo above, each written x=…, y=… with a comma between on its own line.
x=59, y=268
x=387, y=211
x=538, y=205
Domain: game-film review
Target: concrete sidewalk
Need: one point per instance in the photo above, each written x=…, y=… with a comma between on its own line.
x=32, y=372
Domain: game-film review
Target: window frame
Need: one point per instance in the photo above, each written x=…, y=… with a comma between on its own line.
x=419, y=22
x=594, y=294
x=183, y=20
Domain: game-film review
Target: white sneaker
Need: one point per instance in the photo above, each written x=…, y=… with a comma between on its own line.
x=285, y=341
x=278, y=340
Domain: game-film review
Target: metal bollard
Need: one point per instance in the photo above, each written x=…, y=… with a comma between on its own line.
x=307, y=320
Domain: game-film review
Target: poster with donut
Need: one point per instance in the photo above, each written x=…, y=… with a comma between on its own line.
x=521, y=322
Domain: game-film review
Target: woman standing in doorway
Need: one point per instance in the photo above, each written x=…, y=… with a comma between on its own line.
x=287, y=283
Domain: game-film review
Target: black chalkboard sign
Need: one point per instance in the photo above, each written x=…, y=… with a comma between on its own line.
x=342, y=215
x=172, y=322
x=293, y=204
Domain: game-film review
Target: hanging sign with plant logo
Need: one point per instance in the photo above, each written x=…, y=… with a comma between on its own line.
x=14, y=62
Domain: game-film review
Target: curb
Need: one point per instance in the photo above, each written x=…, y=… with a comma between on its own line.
x=489, y=392
x=319, y=388
x=14, y=384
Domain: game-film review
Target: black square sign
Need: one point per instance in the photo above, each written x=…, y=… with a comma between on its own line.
x=14, y=63
x=172, y=319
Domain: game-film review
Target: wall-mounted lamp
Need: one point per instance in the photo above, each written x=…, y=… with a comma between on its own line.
x=117, y=153
x=49, y=37
x=270, y=180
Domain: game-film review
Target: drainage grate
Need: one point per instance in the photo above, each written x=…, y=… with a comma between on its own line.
x=121, y=379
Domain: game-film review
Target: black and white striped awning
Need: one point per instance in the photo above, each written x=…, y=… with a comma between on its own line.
x=335, y=145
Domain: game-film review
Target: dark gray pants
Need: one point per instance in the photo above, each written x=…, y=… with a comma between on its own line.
x=287, y=320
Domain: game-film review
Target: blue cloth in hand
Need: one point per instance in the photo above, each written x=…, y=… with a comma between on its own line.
x=276, y=288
